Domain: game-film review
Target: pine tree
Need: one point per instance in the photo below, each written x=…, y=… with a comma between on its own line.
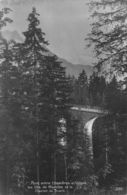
x=9, y=125
x=110, y=150
x=36, y=93
x=97, y=87
x=56, y=99
x=110, y=92
x=18, y=91
x=30, y=57
x=77, y=156
x=81, y=89
x=115, y=97
x=4, y=20
x=3, y=43
x=82, y=79
x=45, y=96
x=108, y=35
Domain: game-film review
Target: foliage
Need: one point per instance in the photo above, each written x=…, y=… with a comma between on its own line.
x=4, y=20
x=35, y=94
x=37, y=130
x=115, y=99
x=108, y=35
x=97, y=86
x=80, y=89
x=110, y=150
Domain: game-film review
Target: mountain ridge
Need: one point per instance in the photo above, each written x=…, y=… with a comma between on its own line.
x=71, y=69
x=75, y=69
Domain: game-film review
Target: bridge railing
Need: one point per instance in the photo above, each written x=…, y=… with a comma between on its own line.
x=89, y=109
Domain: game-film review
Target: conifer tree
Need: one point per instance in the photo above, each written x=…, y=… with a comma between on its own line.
x=115, y=97
x=9, y=132
x=82, y=79
x=45, y=95
x=37, y=97
x=108, y=35
x=80, y=91
x=97, y=87
x=55, y=95
x=110, y=150
x=30, y=57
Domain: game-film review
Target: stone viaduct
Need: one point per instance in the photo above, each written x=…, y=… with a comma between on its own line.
x=87, y=116
x=87, y=113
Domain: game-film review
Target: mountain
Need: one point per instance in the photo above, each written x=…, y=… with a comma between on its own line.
x=71, y=69
x=12, y=35
x=75, y=69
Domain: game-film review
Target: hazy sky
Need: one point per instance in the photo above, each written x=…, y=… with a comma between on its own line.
x=65, y=23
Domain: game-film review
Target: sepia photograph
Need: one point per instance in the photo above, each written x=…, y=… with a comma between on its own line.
x=63, y=97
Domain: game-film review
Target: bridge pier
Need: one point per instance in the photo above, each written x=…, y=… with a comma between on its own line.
x=87, y=116
x=88, y=128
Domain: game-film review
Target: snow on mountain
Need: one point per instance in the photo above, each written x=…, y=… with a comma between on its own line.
x=12, y=35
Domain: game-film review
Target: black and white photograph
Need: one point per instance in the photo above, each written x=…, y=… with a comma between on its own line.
x=63, y=97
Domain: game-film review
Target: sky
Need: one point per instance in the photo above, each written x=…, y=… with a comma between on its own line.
x=65, y=22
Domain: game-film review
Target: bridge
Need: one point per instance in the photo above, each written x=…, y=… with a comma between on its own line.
x=86, y=113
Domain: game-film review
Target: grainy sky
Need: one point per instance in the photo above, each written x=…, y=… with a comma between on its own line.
x=65, y=23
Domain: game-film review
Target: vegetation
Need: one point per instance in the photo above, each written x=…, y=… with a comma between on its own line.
x=108, y=38
x=108, y=35
x=40, y=139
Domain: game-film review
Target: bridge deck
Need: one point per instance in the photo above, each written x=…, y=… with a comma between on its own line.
x=89, y=109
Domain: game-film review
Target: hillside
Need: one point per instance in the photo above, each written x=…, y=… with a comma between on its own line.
x=75, y=69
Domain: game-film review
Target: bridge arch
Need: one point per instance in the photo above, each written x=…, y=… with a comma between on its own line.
x=88, y=116
x=88, y=129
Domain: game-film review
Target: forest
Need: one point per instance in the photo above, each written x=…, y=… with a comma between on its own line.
x=40, y=139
